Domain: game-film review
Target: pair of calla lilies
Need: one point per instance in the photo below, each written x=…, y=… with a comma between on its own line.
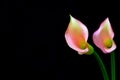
x=76, y=37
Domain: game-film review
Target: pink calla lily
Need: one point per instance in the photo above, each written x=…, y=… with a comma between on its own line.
x=76, y=37
x=103, y=37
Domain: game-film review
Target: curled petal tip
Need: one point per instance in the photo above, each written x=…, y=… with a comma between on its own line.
x=106, y=21
x=73, y=20
x=70, y=16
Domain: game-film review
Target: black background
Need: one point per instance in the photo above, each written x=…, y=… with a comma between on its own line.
x=37, y=28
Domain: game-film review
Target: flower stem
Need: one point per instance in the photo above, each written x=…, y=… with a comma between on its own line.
x=112, y=66
x=102, y=67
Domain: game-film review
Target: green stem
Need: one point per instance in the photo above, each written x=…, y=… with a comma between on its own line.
x=112, y=66
x=102, y=67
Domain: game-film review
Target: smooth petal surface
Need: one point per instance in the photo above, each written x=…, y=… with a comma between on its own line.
x=76, y=36
x=103, y=37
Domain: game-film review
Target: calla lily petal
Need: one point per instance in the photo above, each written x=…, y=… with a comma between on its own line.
x=76, y=36
x=103, y=37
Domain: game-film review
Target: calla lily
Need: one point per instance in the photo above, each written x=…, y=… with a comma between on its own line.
x=76, y=37
x=103, y=37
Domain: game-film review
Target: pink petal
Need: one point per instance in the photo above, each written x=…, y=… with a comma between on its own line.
x=78, y=26
x=72, y=45
x=76, y=34
x=104, y=32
